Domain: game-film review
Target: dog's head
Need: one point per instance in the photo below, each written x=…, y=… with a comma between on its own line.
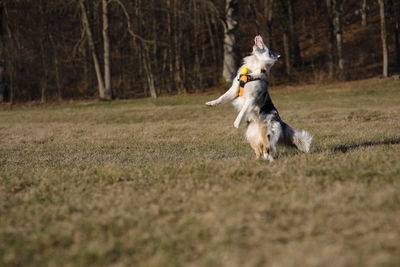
x=263, y=53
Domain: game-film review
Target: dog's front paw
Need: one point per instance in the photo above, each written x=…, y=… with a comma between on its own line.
x=236, y=124
x=268, y=157
x=212, y=103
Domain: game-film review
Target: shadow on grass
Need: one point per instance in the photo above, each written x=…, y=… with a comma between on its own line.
x=288, y=152
x=347, y=148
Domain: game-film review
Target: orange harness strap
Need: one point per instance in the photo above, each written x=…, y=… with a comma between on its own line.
x=243, y=79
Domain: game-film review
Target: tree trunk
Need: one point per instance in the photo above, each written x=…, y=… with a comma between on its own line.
x=383, y=37
x=155, y=61
x=9, y=62
x=211, y=37
x=56, y=67
x=170, y=63
x=397, y=32
x=107, y=95
x=177, y=56
x=2, y=85
x=268, y=15
x=214, y=47
x=287, y=53
x=2, y=63
x=291, y=41
x=86, y=25
x=312, y=37
x=363, y=12
x=149, y=72
x=142, y=48
x=331, y=39
x=295, y=56
x=231, y=36
x=337, y=26
x=196, y=82
x=12, y=89
x=335, y=9
x=45, y=74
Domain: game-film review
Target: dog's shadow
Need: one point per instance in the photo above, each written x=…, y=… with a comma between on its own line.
x=288, y=152
x=348, y=148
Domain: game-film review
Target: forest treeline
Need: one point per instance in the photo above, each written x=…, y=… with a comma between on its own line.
x=58, y=49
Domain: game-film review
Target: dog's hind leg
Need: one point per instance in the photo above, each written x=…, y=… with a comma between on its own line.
x=266, y=150
x=253, y=136
x=257, y=149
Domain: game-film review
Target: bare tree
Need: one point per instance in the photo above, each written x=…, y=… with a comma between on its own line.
x=231, y=36
x=286, y=50
x=170, y=63
x=44, y=33
x=385, y=61
x=337, y=25
x=143, y=45
x=396, y=11
x=2, y=84
x=56, y=66
x=103, y=93
x=213, y=20
x=331, y=40
x=363, y=12
x=142, y=48
x=149, y=70
x=335, y=10
x=197, y=67
x=106, y=40
x=290, y=44
x=177, y=59
x=8, y=55
x=45, y=74
x=268, y=12
x=294, y=44
x=263, y=11
x=284, y=20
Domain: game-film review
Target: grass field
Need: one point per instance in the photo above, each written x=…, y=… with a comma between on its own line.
x=170, y=182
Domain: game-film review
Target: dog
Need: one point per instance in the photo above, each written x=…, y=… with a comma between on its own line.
x=264, y=125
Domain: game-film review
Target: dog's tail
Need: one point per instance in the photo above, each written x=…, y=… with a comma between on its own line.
x=300, y=139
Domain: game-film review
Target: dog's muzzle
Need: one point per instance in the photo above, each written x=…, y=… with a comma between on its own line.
x=274, y=54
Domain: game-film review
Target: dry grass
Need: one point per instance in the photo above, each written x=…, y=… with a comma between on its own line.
x=170, y=182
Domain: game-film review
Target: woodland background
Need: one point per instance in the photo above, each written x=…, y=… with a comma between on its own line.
x=55, y=50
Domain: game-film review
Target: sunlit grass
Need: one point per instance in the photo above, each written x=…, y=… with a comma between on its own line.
x=170, y=182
